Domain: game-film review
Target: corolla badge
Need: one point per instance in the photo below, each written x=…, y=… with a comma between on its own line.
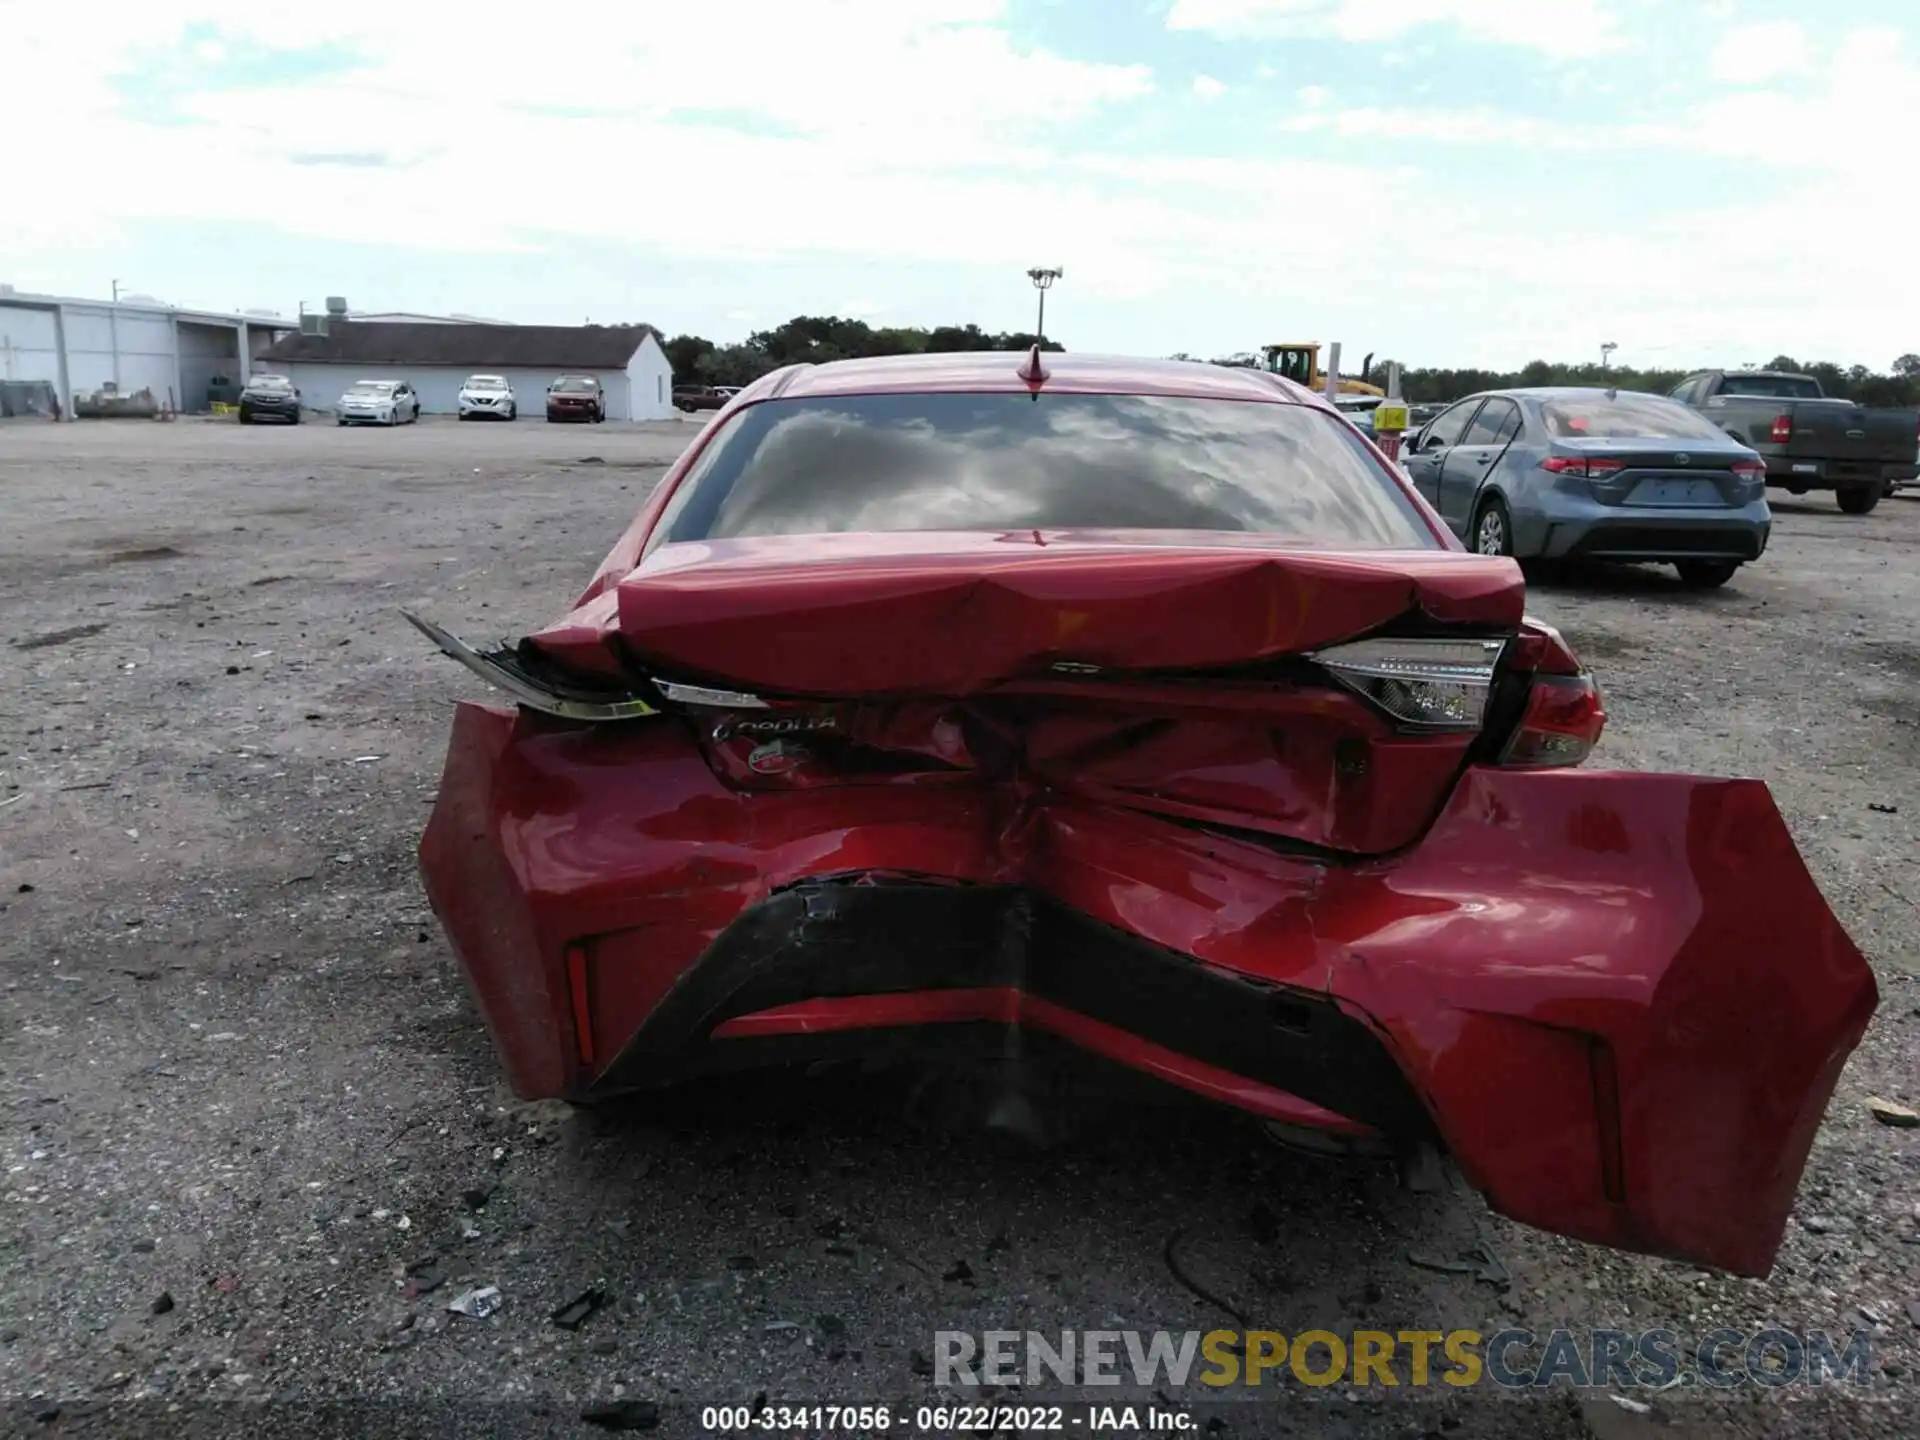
x=1683, y=459
x=777, y=757
x=779, y=725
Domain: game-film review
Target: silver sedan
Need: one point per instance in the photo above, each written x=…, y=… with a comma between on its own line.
x=1567, y=473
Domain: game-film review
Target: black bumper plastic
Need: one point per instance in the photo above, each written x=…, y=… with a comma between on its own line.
x=850, y=937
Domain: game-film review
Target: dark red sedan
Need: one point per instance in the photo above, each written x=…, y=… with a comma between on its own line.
x=1146, y=705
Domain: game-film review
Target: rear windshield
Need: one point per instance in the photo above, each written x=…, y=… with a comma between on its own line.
x=1772, y=387
x=370, y=387
x=575, y=382
x=269, y=382
x=1625, y=416
x=1017, y=462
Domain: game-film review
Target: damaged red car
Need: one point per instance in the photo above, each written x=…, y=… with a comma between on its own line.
x=1143, y=704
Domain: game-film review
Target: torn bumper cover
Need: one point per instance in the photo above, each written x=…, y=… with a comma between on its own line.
x=1617, y=1000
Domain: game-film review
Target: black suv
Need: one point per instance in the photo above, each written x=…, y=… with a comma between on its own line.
x=269, y=395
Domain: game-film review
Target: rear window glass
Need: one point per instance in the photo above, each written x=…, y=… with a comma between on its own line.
x=1625, y=416
x=575, y=383
x=1772, y=387
x=1016, y=462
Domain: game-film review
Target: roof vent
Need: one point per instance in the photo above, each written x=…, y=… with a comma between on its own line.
x=337, y=305
x=1033, y=372
x=311, y=324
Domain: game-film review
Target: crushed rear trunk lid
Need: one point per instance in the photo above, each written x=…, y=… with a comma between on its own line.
x=1222, y=685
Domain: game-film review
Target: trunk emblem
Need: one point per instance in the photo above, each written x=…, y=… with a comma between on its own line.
x=785, y=725
x=1856, y=434
x=1683, y=459
x=777, y=757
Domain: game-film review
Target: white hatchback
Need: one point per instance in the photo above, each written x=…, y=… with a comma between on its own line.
x=489, y=396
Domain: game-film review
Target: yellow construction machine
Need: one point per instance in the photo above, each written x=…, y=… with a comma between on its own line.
x=1301, y=364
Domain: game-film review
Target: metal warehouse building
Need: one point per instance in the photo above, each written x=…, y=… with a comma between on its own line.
x=435, y=358
x=77, y=346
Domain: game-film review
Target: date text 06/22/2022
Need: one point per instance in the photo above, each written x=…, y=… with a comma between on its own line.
x=945, y=1419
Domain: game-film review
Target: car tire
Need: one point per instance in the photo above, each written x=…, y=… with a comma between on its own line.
x=1706, y=574
x=296, y=417
x=1858, y=499
x=513, y=413
x=1492, y=530
x=341, y=422
x=246, y=418
x=465, y=416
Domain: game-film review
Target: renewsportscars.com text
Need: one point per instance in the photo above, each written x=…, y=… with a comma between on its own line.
x=1517, y=1359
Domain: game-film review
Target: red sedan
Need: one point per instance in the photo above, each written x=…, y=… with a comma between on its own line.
x=1144, y=704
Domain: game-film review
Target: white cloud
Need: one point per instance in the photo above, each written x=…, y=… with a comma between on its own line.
x=875, y=138
x=1208, y=88
x=1564, y=29
x=864, y=103
x=1755, y=54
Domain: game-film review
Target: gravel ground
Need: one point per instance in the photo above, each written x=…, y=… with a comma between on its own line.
x=253, y=1133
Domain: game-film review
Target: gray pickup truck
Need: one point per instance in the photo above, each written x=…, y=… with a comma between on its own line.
x=1809, y=441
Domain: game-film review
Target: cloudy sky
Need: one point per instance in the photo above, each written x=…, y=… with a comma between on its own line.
x=1445, y=181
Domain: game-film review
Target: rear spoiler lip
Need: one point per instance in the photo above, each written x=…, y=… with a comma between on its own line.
x=504, y=670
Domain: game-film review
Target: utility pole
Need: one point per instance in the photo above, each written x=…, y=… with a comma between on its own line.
x=1606, y=353
x=1043, y=281
x=113, y=325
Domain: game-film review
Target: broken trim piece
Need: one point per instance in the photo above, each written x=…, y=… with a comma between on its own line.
x=504, y=670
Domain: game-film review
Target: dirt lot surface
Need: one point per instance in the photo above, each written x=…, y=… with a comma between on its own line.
x=254, y=1137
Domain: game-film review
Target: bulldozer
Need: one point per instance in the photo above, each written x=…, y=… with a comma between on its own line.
x=1300, y=363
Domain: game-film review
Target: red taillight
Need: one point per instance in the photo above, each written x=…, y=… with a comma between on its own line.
x=1749, y=469
x=1580, y=465
x=1564, y=717
x=1540, y=647
x=1782, y=429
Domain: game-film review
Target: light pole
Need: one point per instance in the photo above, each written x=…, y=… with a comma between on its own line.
x=1606, y=352
x=113, y=326
x=1043, y=281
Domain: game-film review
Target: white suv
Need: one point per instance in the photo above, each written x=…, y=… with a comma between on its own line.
x=487, y=395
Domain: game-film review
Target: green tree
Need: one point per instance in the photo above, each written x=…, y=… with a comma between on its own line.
x=687, y=354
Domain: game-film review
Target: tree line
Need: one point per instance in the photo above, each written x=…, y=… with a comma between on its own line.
x=820, y=338
x=697, y=360
x=1422, y=385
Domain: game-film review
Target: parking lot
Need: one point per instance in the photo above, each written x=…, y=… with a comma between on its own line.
x=254, y=1135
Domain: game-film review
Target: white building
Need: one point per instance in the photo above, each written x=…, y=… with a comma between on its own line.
x=436, y=357
x=78, y=346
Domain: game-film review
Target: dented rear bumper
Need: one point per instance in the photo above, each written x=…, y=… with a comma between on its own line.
x=1618, y=1000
